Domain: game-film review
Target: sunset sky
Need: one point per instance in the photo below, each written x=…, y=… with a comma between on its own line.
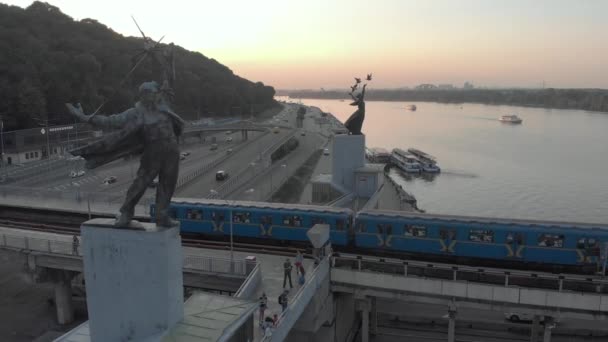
x=324, y=43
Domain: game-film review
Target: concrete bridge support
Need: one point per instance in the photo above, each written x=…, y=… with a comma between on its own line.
x=364, y=306
x=62, y=281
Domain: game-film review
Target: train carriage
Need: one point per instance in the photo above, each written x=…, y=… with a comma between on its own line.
x=519, y=241
x=275, y=221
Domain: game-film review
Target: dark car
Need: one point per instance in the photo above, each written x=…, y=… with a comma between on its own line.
x=221, y=175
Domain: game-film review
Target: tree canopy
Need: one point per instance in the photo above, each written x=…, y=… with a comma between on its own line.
x=49, y=59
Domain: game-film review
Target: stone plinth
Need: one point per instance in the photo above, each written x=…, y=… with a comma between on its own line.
x=133, y=280
x=348, y=155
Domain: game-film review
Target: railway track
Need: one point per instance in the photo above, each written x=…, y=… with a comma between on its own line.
x=68, y=223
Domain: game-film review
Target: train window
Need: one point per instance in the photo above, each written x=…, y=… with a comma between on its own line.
x=292, y=220
x=584, y=243
x=481, y=235
x=267, y=219
x=339, y=224
x=447, y=233
x=517, y=238
x=415, y=231
x=317, y=220
x=551, y=240
x=217, y=216
x=194, y=214
x=241, y=217
x=580, y=244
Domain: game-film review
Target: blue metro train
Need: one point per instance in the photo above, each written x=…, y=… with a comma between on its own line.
x=553, y=245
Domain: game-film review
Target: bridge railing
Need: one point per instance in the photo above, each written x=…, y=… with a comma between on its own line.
x=67, y=248
x=495, y=276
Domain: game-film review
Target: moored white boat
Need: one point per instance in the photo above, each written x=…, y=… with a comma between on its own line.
x=428, y=163
x=405, y=161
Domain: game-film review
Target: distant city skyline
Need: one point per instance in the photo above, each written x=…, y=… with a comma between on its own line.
x=315, y=43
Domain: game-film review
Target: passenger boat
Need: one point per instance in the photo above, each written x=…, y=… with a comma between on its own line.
x=377, y=155
x=405, y=161
x=427, y=161
x=411, y=107
x=510, y=119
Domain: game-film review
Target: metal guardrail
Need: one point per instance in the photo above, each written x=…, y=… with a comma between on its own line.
x=67, y=248
x=494, y=276
x=7, y=191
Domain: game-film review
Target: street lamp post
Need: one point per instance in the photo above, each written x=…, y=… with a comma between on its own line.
x=215, y=193
x=2, y=140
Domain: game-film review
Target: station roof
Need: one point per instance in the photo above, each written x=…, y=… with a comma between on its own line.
x=207, y=317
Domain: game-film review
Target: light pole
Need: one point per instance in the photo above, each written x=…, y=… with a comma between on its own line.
x=215, y=193
x=2, y=140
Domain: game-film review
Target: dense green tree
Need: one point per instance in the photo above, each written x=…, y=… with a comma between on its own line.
x=48, y=59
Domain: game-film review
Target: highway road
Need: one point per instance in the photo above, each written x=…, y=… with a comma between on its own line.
x=426, y=322
x=315, y=137
x=126, y=170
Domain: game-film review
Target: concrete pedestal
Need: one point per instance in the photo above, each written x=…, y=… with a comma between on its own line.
x=133, y=280
x=348, y=155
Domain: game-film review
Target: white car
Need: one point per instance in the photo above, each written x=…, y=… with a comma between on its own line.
x=109, y=180
x=325, y=152
x=75, y=174
x=229, y=139
x=521, y=316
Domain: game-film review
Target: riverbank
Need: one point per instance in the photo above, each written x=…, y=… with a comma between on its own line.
x=595, y=100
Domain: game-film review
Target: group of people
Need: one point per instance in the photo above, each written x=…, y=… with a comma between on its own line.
x=287, y=269
x=269, y=322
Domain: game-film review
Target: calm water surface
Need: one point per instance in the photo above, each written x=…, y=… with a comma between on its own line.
x=554, y=166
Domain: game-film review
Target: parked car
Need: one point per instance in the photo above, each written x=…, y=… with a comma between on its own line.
x=229, y=151
x=325, y=152
x=75, y=174
x=185, y=153
x=229, y=139
x=303, y=133
x=109, y=180
x=221, y=175
x=521, y=316
x=213, y=147
x=275, y=130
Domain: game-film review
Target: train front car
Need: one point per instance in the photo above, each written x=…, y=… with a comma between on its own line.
x=551, y=246
x=259, y=220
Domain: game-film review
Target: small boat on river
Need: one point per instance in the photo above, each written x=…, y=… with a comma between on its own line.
x=514, y=119
x=411, y=108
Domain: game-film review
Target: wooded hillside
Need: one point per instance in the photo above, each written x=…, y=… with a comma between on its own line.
x=48, y=59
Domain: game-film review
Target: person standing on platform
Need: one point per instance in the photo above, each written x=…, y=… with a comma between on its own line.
x=302, y=276
x=287, y=273
x=299, y=262
x=263, y=305
x=75, y=245
x=283, y=300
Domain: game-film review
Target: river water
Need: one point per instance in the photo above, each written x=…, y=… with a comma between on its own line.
x=554, y=166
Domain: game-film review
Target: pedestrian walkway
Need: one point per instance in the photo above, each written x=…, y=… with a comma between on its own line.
x=272, y=279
